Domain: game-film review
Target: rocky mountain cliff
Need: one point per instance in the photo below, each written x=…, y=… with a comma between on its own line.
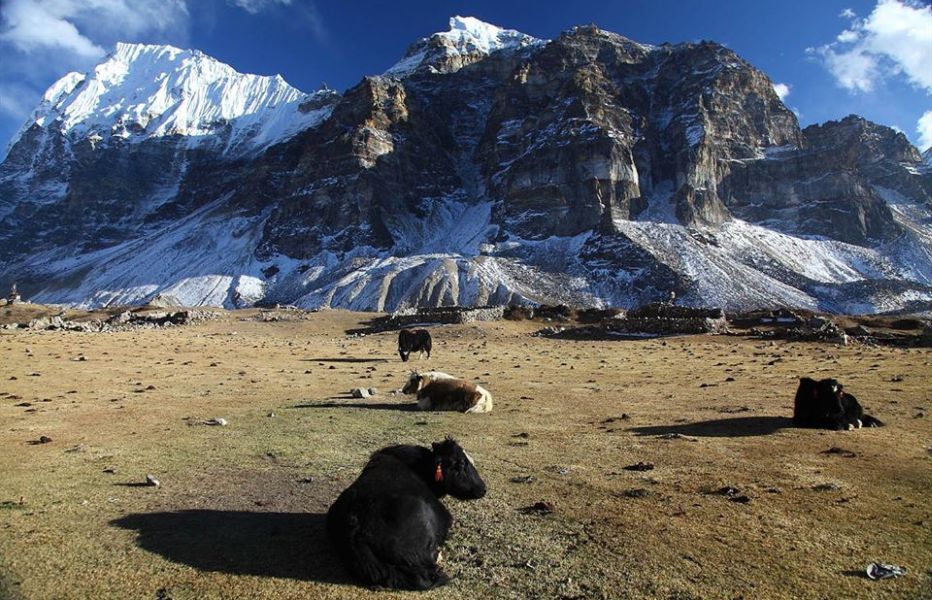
x=486, y=166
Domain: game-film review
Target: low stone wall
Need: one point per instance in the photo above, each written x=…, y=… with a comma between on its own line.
x=448, y=315
x=661, y=310
x=669, y=326
x=119, y=322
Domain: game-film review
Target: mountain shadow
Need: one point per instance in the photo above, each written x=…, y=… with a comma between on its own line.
x=267, y=544
x=736, y=427
x=404, y=406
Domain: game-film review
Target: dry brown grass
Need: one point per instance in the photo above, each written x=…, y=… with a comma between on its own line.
x=240, y=510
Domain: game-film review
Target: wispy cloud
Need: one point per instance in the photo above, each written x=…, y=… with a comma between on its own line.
x=41, y=40
x=894, y=40
x=254, y=7
x=303, y=13
x=782, y=90
x=924, y=128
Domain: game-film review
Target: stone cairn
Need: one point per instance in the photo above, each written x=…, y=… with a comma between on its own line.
x=14, y=296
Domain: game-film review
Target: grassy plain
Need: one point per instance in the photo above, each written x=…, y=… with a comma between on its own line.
x=240, y=509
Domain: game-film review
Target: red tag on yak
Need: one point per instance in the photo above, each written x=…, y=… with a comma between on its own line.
x=438, y=474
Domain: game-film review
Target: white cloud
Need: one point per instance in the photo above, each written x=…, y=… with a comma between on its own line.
x=782, y=90
x=29, y=25
x=924, y=128
x=847, y=36
x=847, y=14
x=41, y=40
x=256, y=6
x=895, y=39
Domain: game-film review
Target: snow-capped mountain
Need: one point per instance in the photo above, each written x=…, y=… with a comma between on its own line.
x=485, y=167
x=142, y=92
x=468, y=40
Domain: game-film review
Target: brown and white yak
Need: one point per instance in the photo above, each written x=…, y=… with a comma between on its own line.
x=439, y=391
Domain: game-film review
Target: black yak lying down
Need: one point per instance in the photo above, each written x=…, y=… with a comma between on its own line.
x=824, y=404
x=410, y=341
x=389, y=525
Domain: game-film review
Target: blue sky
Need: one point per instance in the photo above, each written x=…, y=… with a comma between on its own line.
x=871, y=57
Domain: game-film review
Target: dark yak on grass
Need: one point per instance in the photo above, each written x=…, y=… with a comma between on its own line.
x=410, y=341
x=824, y=404
x=389, y=525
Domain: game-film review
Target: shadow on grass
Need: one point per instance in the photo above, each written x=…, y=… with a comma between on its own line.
x=404, y=407
x=266, y=544
x=346, y=359
x=737, y=427
x=856, y=574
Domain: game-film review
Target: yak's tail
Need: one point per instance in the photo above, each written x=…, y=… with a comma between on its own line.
x=869, y=421
x=398, y=577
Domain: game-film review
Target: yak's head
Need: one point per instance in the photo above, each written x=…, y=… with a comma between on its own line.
x=455, y=473
x=830, y=389
x=413, y=384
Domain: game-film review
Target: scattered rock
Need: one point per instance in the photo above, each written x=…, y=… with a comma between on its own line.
x=151, y=481
x=538, y=508
x=373, y=391
x=360, y=393
x=523, y=479
x=840, y=452
x=826, y=487
x=884, y=571
x=733, y=494
x=677, y=436
x=623, y=417
x=636, y=493
x=216, y=421
x=44, y=439
x=640, y=466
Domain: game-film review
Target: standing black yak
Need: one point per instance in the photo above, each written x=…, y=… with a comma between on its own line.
x=410, y=341
x=389, y=525
x=824, y=404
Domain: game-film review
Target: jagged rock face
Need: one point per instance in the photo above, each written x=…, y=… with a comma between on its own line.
x=486, y=168
x=583, y=132
x=376, y=159
x=829, y=186
x=94, y=199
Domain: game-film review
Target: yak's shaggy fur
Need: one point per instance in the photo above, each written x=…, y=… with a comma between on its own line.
x=389, y=525
x=410, y=341
x=439, y=391
x=824, y=404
